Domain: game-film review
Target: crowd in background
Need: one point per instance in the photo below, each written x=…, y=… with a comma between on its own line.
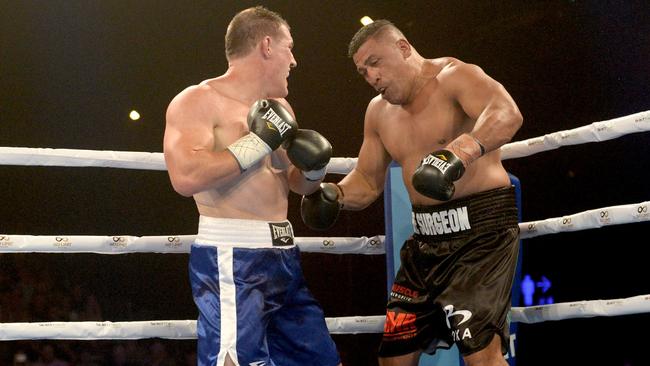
x=32, y=290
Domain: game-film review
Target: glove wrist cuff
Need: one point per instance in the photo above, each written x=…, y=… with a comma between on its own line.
x=248, y=150
x=315, y=175
x=467, y=148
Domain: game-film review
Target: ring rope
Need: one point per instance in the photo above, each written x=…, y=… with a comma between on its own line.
x=28, y=156
x=121, y=244
x=581, y=309
x=596, y=218
x=612, y=215
x=186, y=329
x=169, y=329
x=594, y=132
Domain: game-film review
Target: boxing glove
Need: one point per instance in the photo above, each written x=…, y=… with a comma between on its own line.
x=270, y=125
x=436, y=174
x=310, y=152
x=320, y=209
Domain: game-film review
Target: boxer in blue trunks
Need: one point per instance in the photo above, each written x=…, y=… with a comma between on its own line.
x=443, y=121
x=232, y=143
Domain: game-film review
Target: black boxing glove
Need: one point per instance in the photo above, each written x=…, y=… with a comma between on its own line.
x=320, y=209
x=436, y=174
x=439, y=170
x=310, y=152
x=270, y=125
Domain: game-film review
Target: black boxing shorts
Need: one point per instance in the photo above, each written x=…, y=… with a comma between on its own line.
x=454, y=283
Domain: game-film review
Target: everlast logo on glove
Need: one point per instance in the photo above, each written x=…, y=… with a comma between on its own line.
x=439, y=162
x=276, y=121
x=281, y=234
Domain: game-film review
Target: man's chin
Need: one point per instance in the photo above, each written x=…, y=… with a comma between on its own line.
x=391, y=100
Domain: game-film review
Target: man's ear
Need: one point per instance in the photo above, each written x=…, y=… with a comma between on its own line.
x=404, y=47
x=265, y=47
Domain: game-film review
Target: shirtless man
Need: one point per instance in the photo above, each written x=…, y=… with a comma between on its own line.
x=238, y=153
x=443, y=121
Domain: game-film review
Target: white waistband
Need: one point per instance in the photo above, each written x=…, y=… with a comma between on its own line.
x=244, y=233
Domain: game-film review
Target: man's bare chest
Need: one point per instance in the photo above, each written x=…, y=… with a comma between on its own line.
x=434, y=126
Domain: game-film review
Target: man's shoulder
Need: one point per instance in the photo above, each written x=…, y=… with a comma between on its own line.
x=377, y=103
x=446, y=65
x=193, y=93
x=207, y=91
x=451, y=66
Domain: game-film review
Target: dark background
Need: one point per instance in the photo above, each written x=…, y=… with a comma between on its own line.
x=72, y=70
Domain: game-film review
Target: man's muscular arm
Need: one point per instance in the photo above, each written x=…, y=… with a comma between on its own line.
x=355, y=191
x=188, y=145
x=497, y=120
x=363, y=185
x=485, y=100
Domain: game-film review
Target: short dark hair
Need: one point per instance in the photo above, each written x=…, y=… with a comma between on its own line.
x=248, y=27
x=367, y=32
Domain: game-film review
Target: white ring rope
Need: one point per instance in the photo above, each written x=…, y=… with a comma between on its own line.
x=113, y=159
x=121, y=244
x=594, y=132
x=581, y=309
x=169, y=329
x=613, y=215
x=186, y=329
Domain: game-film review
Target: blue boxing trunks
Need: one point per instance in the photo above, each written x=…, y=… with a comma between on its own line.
x=253, y=302
x=454, y=283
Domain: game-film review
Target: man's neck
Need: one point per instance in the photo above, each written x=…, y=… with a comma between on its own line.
x=247, y=79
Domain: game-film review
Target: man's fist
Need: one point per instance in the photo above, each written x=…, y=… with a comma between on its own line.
x=320, y=209
x=270, y=125
x=310, y=152
x=436, y=174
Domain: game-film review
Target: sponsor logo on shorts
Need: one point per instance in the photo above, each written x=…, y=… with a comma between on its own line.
x=281, y=234
x=399, y=325
x=456, y=330
x=276, y=122
x=441, y=222
x=403, y=293
x=257, y=363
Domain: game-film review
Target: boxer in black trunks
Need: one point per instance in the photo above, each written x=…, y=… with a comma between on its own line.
x=443, y=121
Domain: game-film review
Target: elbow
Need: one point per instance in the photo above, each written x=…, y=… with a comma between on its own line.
x=518, y=119
x=183, y=187
x=514, y=122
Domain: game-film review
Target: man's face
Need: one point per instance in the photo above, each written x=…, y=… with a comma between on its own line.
x=379, y=60
x=282, y=61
